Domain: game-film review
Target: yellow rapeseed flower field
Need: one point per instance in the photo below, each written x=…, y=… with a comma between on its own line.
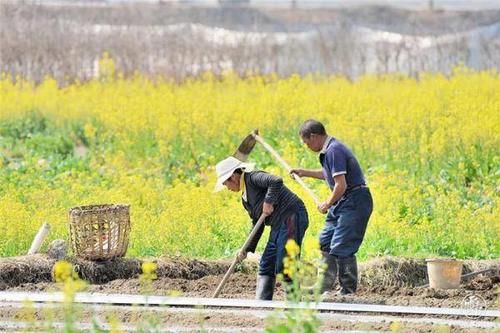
x=429, y=148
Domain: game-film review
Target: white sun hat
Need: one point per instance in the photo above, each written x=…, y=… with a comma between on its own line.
x=225, y=169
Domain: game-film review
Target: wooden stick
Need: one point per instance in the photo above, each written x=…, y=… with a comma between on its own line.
x=287, y=167
x=235, y=261
x=39, y=238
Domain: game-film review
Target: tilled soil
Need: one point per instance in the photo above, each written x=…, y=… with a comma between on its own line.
x=391, y=281
x=242, y=285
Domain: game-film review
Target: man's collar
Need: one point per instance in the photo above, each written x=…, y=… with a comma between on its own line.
x=325, y=144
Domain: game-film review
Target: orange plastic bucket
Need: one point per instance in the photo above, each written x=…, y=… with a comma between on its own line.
x=444, y=273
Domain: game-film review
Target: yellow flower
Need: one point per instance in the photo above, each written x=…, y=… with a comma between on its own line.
x=107, y=67
x=89, y=130
x=292, y=248
x=415, y=135
x=311, y=245
x=149, y=270
x=288, y=267
x=63, y=271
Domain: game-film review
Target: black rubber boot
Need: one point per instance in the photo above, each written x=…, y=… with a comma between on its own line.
x=330, y=276
x=348, y=275
x=265, y=287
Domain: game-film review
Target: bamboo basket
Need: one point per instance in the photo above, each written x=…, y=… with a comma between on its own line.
x=99, y=232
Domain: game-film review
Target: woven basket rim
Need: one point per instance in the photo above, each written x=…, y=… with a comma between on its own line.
x=97, y=208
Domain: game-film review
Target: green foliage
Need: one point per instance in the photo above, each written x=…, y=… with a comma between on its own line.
x=430, y=153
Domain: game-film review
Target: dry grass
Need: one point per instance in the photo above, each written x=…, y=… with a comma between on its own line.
x=412, y=272
x=66, y=42
x=38, y=268
x=393, y=271
x=25, y=269
x=379, y=272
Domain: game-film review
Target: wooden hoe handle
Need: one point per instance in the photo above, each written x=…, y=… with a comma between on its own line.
x=287, y=167
x=235, y=261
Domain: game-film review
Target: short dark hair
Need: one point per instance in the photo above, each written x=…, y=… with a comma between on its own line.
x=311, y=126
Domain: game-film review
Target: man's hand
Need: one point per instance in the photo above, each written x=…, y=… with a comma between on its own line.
x=267, y=208
x=318, y=174
x=323, y=207
x=242, y=255
x=299, y=172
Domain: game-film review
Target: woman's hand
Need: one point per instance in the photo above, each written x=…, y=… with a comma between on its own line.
x=242, y=255
x=267, y=209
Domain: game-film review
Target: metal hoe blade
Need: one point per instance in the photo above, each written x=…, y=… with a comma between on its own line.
x=246, y=146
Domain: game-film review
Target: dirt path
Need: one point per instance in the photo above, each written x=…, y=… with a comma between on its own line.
x=175, y=319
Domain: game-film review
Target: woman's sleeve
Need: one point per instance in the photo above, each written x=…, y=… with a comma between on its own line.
x=272, y=184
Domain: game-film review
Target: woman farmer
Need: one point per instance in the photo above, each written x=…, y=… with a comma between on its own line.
x=263, y=193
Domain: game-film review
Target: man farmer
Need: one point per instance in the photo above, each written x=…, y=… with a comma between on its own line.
x=348, y=206
x=263, y=193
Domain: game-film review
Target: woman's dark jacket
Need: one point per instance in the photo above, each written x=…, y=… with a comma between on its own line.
x=261, y=186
